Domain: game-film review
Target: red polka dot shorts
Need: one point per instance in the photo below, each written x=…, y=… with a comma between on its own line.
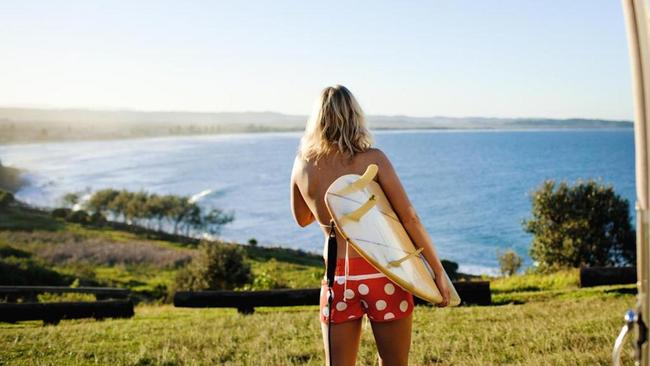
x=367, y=291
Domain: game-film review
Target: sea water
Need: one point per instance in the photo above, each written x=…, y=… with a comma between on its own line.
x=470, y=188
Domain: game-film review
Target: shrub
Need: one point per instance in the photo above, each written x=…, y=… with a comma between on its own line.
x=61, y=213
x=97, y=218
x=218, y=266
x=252, y=242
x=6, y=198
x=79, y=217
x=582, y=225
x=509, y=263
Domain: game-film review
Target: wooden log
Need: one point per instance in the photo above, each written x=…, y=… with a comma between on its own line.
x=246, y=301
x=470, y=293
x=101, y=293
x=52, y=313
x=599, y=276
x=477, y=293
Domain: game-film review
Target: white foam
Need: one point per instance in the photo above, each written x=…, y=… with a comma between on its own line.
x=197, y=197
x=478, y=269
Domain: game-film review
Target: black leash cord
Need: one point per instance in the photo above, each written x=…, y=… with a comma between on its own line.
x=330, y=271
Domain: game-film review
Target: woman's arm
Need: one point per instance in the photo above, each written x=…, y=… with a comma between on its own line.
x=301, y=212
x=392, y=187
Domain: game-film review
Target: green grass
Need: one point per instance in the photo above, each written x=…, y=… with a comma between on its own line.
x=23, y=231
x=536, y=319
x=577, y=331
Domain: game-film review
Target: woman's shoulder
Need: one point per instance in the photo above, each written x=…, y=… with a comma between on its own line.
x=375, y=155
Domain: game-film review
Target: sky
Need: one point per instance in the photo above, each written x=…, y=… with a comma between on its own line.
x=499, y=58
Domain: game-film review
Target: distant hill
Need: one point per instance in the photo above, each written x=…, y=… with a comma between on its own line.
x=33, y=125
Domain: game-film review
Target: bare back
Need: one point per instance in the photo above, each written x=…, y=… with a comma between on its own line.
x=314, y=179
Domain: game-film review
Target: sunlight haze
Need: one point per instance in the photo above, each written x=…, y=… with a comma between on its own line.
x=553, y=59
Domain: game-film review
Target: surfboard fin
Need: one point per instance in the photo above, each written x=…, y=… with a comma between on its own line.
x=359, y=212
x=362, y=182
x=397, y=262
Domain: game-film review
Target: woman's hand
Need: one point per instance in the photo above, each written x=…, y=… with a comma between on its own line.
x=441, y=283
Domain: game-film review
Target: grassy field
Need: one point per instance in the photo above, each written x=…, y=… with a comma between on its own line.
x=535, y=320
x=571, y=331
x=35, y=245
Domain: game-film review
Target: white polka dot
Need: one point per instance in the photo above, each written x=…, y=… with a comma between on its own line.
x=363, y=289
x=389, y=288
x=364, y=304
x=381, y=305
x=349, y=294
x=340, y=280
x=351, y=316
x=404, y=305
x=340, y=306
x=326, y=312
x=389, y=316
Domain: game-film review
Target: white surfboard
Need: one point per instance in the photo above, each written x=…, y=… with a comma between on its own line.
x=364, y=216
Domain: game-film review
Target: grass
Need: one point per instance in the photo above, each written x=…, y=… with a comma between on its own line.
x=576, y=331
x=101, y=256
x=536, y=319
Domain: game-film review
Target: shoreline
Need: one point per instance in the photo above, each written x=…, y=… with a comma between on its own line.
x=102, y=138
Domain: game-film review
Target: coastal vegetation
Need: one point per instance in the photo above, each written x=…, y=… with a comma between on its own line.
x=180, y=213
x=585, y=224
x=541, y=316
x=509, y=262
x=216, y=267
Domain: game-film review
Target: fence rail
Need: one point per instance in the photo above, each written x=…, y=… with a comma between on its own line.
x=472, y=293
x=52, y=313
x=599, y=276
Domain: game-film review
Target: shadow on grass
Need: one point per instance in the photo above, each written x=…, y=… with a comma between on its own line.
x=18, y=218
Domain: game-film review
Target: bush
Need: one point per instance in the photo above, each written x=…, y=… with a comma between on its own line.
x=582, y=225
x=218, y=266
x=6, y=198
x=61, y=213
x=79, y=217
x=252, y=242
x=509, y=263
x=97, y=218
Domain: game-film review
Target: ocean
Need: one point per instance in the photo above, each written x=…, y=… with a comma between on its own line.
x=470, y=187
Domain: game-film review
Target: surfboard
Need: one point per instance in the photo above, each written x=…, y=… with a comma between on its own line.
x=365, y=218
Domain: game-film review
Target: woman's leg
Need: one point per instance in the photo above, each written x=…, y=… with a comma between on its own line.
x=393, y=340
x=345, y=342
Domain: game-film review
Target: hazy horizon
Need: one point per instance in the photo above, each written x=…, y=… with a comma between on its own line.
x=405, y=115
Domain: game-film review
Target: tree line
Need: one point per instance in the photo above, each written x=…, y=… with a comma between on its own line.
x=152, y=210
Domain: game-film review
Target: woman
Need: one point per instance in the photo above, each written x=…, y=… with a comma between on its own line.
x=336, y=142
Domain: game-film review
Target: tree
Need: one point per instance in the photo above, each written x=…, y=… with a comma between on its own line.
x=587, y=224
x=70, y=199
x=101, y=200
x=509, y=263
x=215, y=220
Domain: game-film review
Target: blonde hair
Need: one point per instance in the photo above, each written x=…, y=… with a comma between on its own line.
x=336, y=123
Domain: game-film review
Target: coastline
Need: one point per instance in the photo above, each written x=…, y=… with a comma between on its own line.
x=28, y=140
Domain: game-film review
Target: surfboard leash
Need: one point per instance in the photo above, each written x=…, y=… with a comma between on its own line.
x=330, y=271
